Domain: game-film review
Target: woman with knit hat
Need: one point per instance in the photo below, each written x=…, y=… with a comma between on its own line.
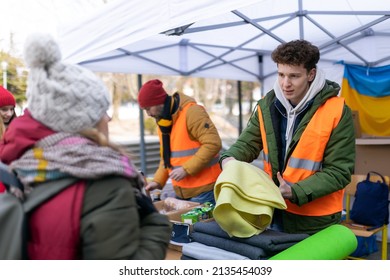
x=63, y=135
x=7, y=106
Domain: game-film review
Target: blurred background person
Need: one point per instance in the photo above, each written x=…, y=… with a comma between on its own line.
x=7, y=106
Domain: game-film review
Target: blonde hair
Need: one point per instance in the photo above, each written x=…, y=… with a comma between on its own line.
x=99, y=138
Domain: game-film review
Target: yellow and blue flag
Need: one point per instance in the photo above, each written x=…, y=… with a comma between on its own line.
x=367, y=90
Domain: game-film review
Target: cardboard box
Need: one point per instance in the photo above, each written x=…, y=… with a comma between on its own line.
x=175, y=215
x=175, y=247
x=173, y=253
x=372, y=154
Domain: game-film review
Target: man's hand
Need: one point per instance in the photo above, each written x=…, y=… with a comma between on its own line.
x=153, y=186
x=284, y=188
x=178, y=174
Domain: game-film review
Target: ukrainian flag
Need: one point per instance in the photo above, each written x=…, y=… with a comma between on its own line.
x=367, y=90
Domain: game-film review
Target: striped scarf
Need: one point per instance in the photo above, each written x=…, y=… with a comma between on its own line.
x=165, y=124
x=63, y=155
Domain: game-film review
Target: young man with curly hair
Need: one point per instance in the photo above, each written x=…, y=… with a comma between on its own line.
x=305, y=133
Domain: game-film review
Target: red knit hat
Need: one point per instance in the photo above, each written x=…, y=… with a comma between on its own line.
x=6, y=98
x=151, y=94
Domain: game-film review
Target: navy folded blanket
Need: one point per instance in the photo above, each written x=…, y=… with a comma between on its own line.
x=270, y=241
x=249, y=251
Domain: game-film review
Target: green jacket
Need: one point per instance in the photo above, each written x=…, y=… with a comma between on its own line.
x=112, y=229
x=337, y=166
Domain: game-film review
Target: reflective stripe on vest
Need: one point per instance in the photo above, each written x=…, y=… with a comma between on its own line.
x=307, y=158
x=184, y=148
x=264, y=153
x=189, y=153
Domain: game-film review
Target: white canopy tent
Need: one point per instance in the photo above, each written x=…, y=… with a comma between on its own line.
x=230, y=39
x=227, y=39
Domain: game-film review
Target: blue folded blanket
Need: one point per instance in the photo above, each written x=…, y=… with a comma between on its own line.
x=270, y=241
x=201, y=251
x=249, y=251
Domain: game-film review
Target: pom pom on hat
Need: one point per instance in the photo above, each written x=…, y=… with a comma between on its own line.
x=152, y=93
x=6, y=98
x=62, y=96
x=41, y=51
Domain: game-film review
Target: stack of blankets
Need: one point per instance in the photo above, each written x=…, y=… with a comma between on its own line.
x=210, y=242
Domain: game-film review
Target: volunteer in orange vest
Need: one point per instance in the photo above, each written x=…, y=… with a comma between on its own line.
x=304, y=132
x=189, y=141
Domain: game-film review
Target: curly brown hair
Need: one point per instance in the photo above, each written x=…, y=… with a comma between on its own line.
x=297, y=52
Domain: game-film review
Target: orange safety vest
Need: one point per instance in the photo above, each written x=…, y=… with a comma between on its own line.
x=183, y=148
x=307, y=158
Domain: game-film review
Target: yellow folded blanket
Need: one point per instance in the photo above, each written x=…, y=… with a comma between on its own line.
x=245, y=199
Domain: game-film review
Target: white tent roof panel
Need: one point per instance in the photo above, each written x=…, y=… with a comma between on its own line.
x=226, y=39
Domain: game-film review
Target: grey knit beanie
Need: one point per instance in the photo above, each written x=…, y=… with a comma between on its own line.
x=63, y=97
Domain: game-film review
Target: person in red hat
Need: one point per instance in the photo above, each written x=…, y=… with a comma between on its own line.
x=7, y=114
x=190, y=143
x=7, y=106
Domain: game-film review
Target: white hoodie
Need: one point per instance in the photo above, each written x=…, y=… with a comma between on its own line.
x=292, y=112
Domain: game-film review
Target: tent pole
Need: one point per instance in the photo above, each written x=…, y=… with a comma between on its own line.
x=261, y=74
x=239, y=107
x=142, y=132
